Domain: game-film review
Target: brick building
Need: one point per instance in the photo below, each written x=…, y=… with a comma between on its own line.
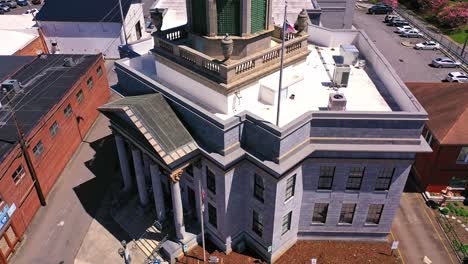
x=55, y=103
x=447, y=133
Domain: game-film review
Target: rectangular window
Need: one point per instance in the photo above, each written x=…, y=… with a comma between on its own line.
x=458, y=182
x=38, y=149
x=286, y=223
x=290, y=187
x=99, y=71
x=320, y=213
x=79, y=96
x=384, y=179
x=326, y=178
x=53, y=129
x=355, y=178
x=189, y=170
x=210, y=181
x=257, y=223
x=259, y=188
x=212, y=217
x=428, y=137
x=463, y=156
x=347, y=213
x=138, y=30
x=89, y=82
x=18, y=174
x=374, y=214
x=68, y=110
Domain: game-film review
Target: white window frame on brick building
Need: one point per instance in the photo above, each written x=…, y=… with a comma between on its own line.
x=18, y=174
x=463, y=156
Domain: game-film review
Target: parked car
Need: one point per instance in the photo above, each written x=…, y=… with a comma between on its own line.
x=36, y=2
x=9, y=3
x=445, y=62
x=380, y=9
x=22, y=2
x=2, y=12
x=427, y=45
x=457, y=77
x=4, y=7
x=389, y=18
x=411, y=34
x=31, y=11
x=398, y=22
x=404, y=28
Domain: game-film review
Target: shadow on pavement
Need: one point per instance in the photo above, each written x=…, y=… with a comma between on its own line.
x=412, y=185
x=96, y=194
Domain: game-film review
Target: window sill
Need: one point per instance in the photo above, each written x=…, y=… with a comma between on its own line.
x=370, y=225
x=461, y=163
x=324, y=190
x=344, y=224
x=380, y=191
x=289, y=199
x=352, y=191
x=317, y=224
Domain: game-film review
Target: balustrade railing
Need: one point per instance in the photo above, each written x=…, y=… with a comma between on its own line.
x=234, y=70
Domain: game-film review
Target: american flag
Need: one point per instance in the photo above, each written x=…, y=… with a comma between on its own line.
x=290, y=28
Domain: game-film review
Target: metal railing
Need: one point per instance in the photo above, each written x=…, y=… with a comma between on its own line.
x=449, y=45
x=455, y=243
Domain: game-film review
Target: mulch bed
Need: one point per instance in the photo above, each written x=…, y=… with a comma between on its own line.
x=326, y=252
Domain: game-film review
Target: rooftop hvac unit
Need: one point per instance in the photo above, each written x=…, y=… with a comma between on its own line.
x=336, y=102
x=69, y=62
x=350, y=54
x=11, y=84
x=341, y=75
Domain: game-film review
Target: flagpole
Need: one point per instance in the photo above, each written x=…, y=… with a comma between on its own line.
x=281, y=65
x=202, y=205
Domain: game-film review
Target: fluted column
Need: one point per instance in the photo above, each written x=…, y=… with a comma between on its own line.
x=140, y=176
x=177, y=205
x=123, y=160
x=158, y=192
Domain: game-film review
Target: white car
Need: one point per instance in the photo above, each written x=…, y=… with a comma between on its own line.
x=404, y=28
x=457, y=77
x=427, y=45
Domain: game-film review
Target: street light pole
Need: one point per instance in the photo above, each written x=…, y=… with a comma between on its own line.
x=123, y=22
x=464, y=45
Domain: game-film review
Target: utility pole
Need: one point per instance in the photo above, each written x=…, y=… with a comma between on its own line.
x=32, y=171
x=202, y=207
x=123, y=22
x=464, y=45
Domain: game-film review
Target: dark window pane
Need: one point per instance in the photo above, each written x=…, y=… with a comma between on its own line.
x=326, y=178
x=258, y=187
x=210, y=181
x=320, y=213
x=290, y=187
x=384, y=179
x=257, y=224
x=286, y=226
x=212, y=217
x=355, y=179
x=18, y=174
x=374, y=214
x=347, y=213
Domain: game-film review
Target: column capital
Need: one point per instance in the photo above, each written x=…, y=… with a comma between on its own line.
x=175, y=175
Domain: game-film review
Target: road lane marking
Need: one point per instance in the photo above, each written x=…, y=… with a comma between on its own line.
x=433, y=226
x=398, y=249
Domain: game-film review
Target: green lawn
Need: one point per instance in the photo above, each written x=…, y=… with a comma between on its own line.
x=458, y=35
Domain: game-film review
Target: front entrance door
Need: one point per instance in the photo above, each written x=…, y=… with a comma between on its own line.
x=192, y=202
x=8, y=240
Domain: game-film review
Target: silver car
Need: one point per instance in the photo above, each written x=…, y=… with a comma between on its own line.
x=445, y=62
x=412, y=33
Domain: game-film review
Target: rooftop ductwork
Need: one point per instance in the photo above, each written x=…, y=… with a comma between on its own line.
x=336, y=102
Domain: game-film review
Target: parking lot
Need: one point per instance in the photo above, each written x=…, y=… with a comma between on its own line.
x=21, y=9
x=412, y=65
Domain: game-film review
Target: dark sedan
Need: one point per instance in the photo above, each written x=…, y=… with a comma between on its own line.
x=380, y=9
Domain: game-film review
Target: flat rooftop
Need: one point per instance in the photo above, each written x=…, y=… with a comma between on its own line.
x=309, y=82
x=44, y=82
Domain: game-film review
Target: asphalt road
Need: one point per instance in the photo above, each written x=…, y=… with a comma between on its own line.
x=419, y=234
x=410, y=64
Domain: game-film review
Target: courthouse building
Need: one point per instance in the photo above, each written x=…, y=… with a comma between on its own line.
x=200, y=113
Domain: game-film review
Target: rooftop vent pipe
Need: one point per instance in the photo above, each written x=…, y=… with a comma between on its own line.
x=336, y=102
x=11, y=84
x=69, y=62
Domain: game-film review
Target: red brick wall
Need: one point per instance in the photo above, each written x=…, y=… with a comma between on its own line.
x=33, y=47
x=57, y=150
x=436, y=169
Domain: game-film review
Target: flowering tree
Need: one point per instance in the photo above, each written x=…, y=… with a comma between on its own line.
x=432, y=5
x=392, y=3
x=455, y=15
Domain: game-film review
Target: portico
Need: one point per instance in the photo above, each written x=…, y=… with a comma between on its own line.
x=154, y=150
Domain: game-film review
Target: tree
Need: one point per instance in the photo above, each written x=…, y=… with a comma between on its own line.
x=392, y=3
x=432, y=5
x=455, y=15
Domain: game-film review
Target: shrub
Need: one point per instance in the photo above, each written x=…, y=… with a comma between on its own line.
x=456, y=204
x=432, y=5
x=444, y=210
x=451, y=208
x=455, y=15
